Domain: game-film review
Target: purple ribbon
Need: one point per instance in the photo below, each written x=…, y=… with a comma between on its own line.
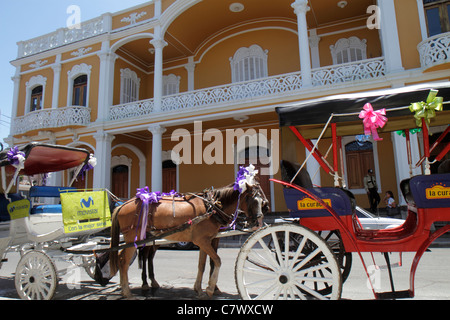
x=148, y=198
x=14, y=156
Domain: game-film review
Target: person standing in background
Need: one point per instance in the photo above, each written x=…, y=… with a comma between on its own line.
x=370, y=184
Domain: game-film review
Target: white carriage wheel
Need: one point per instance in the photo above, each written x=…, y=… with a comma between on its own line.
x=36, y=277
x=287, y=261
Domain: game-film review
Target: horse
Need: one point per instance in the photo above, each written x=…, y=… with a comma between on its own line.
x=213, y=208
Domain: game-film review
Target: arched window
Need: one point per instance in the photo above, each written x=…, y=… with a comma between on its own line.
x=79, y=97
x=359, y=158
x=35, y=93
x=36, y=98
x=129, y=86
x=78, y=85
x=249, y=64
x=349, y=50
x=171, y=84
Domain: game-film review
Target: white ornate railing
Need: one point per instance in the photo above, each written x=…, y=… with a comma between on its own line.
x=65, y=36
x=435, y=50
x=271, y=86
x=352, y=71
x=52, y=118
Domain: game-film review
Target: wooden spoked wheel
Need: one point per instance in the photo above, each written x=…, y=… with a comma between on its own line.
x=287, y=261
x=36, y=277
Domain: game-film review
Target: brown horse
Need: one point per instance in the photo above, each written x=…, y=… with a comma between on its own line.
x=217, y=208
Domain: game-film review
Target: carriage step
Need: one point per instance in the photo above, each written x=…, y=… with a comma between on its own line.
x=394, y=295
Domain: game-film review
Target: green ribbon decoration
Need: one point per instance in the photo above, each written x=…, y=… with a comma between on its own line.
x=412, y=131
x=427, y=110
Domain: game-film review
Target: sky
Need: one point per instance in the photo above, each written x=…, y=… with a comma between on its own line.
x=26, y=19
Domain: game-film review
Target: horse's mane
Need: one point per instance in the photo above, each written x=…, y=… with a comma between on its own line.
x=226, y=195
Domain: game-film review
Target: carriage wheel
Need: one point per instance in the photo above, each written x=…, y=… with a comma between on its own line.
x=287, y=261
x=36, y=277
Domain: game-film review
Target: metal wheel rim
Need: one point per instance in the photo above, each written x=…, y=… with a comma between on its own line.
x=36, y=277
x=268, y=269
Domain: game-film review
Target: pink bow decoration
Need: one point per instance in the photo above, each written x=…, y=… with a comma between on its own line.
x=373, y=120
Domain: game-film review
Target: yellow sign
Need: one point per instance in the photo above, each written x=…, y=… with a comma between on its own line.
x=85, y=211
x=19, y=209
x=310, y=204
x=438, y=192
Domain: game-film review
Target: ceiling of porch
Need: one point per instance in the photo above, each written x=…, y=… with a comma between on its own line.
x=196, y=25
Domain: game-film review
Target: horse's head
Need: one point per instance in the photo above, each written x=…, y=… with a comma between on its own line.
x=254, y=204
x=253, y=200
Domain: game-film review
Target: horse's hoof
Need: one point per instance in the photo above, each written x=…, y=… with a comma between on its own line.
x=209, y=292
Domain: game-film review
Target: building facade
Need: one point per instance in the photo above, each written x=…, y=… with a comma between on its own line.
x=174, y=94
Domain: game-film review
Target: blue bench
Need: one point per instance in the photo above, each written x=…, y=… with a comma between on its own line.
x=302, y=206
x=49, y=192
x=428, y=191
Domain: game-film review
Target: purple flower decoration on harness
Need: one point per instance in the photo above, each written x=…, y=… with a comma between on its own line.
x=245, y=177
x=147, y=199
x=15, y=157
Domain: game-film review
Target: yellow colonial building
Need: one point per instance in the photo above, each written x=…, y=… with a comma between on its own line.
x=174, y=94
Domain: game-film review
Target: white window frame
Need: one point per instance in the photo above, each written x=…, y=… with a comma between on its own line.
x=171, y=84
x=75, y=72
x=353, y=48
x=249, y=64
x=129, y=86
x=34, y=82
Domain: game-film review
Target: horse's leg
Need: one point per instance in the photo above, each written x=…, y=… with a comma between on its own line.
x=151, y=255
x=143, y=256
x=215, y=245
x=201, y=270
x=207, y=247
x=124, y=261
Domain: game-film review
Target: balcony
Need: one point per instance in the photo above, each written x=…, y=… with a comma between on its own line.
x=52, y=118
x=435, y=50
x=239, y=92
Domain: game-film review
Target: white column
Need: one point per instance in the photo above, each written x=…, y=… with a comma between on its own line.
x=314, y=40
x=301, y=8
x=15, y=100
x=157, y=132
x=56, y=81
x=190, y=67
x=422, y=21
x=158, y=8
x=159, y=45
x=102, y=171
x=106, y=81
x=402, y=169
x=389, y=36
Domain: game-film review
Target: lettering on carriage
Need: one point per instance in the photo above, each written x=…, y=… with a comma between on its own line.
x=438, y=192
x=310, y=204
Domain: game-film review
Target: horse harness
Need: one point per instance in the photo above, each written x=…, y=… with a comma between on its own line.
x=213, y=208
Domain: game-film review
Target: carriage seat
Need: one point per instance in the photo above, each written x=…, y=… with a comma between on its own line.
x=4, y=215
x=49, y=191
x=302, y=206
x=428, y=191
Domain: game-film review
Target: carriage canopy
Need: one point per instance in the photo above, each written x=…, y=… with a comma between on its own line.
x=313, y=114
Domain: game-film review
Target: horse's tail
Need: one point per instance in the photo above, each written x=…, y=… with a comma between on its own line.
x=115, y=239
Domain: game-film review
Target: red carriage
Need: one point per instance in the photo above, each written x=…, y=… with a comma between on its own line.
x=296, y=259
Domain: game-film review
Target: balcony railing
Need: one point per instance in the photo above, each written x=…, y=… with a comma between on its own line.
x=65, y=36
x=52, y=118
x=267, y=87
x=435, y=50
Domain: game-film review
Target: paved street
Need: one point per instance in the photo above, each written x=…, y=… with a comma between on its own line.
x=176, y=272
